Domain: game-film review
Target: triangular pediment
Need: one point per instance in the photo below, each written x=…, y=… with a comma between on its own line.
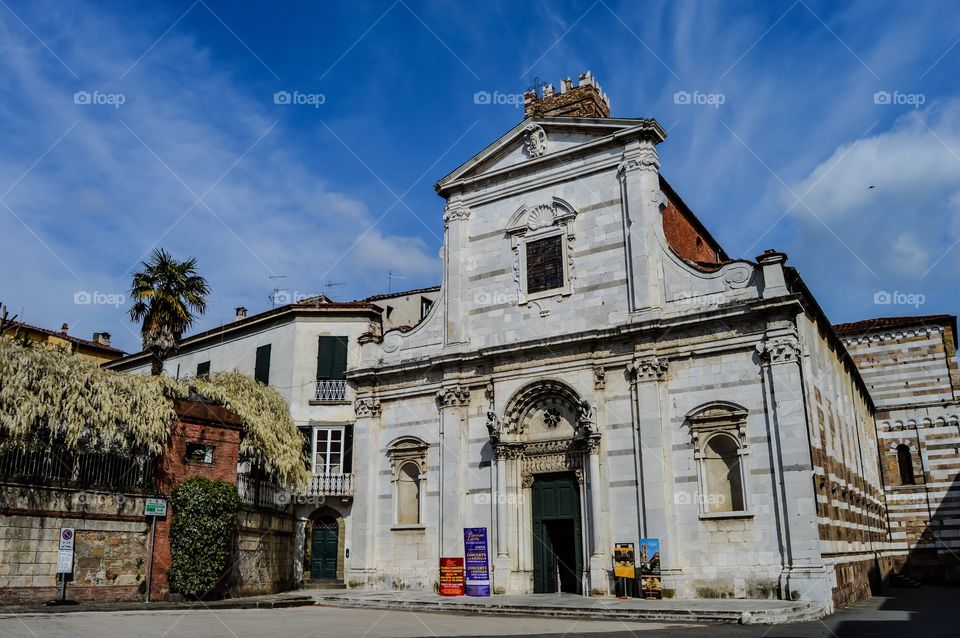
x=541, y=139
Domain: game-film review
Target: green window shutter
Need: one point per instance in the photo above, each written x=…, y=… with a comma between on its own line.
x=203, y=369
x=331, y=358
x=340, y=358
x=348, y=449
x=261, y=371
x=307, y=434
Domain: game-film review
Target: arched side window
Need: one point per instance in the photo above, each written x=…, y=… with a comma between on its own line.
x=408, y=495
x=724, y=474
x=719, y=431
x=905, y=465
x=408, y=457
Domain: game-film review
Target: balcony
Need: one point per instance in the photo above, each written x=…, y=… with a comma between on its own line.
x=330, y=391
x=330, y=484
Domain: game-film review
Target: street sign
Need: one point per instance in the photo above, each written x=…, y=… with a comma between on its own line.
x=155, y=507
x=65, y=551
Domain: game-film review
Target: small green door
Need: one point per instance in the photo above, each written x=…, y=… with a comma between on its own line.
x=323, y=553
x=557, y=534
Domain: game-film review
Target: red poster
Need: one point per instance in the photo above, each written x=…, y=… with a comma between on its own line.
x=451, y=577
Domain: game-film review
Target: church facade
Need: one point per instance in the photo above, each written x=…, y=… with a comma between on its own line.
x=596, y=370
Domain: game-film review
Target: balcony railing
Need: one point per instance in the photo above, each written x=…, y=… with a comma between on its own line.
x=330, y=484
x=330, y=390
x=260, y=492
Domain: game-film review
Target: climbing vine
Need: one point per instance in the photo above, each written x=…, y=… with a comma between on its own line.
x=48, y=396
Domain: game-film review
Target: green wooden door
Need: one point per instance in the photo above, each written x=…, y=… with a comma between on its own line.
x=557, y=534
x=324, y=550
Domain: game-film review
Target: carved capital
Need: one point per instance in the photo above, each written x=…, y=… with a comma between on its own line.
x=646, y=159
x=592, y=444
x=453, y=397
x=455, y=213
x=779, y=350
x=526, y=481
x=649, y=369
x=505, y=452
x=367, y=408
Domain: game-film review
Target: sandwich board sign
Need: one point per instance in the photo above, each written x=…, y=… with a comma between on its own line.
x=65, y=551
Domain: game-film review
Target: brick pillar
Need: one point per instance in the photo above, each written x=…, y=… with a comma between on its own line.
x=202, y=424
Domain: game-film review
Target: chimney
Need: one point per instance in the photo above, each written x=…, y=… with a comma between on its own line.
x=241, y=313
x=64, y=329
x=103, y=338
x=586, y=99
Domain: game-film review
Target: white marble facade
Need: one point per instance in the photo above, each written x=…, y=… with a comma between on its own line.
x=623, y=377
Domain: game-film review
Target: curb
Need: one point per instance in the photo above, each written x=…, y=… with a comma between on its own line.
x=230, y=603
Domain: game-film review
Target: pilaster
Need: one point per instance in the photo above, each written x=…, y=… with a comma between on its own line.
x=366, y=437
x=640, y=200
x=455, y=219
x=452, y=402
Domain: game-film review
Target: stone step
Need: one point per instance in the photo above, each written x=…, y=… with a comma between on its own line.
x=324, y=583
x=798, y=612
x=902, y=580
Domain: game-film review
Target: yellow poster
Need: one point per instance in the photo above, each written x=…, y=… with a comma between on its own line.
x=623, y=561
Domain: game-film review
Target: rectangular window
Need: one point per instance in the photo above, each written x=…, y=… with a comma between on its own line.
x=544, y=264
x=200, y=453
x=203, y=369
x=261, y=371
x=425, y=306
x=332, y=358
x=328, y=450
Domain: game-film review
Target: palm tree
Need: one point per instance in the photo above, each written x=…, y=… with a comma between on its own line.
x=168, y=296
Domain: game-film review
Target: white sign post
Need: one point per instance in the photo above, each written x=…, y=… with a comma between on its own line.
x=154, y=508
x=65, y=558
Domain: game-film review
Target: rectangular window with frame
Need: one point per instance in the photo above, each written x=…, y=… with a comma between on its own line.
x=544, y=264
x=203, y=369
x=330, y=453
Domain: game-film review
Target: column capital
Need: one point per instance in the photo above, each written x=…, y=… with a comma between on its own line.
x=776, y=350
x=453, y=396
x=367, y=408
x=644, y=159
x=455, y=212
x=648, y=369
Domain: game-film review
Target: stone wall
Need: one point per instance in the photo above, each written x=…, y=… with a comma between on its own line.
x=263, y=559
x=110, y=548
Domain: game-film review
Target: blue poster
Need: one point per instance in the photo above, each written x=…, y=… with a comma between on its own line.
x=476, y=561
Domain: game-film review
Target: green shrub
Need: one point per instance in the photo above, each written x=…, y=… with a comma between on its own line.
x=201, y=535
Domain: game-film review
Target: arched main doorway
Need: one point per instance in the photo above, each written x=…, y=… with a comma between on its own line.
x=324, y=548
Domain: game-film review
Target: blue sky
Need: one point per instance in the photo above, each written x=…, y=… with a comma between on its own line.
x=126, y=127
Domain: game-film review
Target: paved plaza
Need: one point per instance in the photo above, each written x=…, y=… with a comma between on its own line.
x=924, y=612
